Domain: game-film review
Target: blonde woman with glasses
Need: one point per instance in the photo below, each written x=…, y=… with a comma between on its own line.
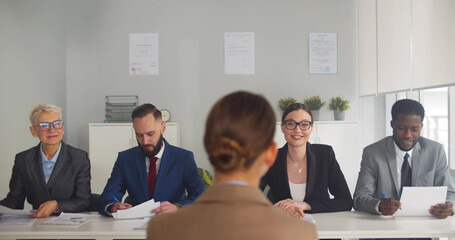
x=53, y=176
x=304, y=174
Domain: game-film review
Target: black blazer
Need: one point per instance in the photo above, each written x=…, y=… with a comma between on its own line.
x=323, y=175
x=69, y=182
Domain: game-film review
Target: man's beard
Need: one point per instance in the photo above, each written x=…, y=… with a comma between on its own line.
x=155, y=150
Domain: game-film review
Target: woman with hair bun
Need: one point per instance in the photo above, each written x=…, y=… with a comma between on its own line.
x=239, y=142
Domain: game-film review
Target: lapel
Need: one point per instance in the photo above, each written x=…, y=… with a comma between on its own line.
x=416, y=160
x=139, y=161
x=166, y=161
x=391, y=158
x=282, y=158
x=60, y=164
x=36, y=167
x=311, y=170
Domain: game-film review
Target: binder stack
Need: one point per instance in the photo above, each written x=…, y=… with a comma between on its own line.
x=119, y=108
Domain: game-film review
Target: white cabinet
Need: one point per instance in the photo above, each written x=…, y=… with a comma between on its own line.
x=405, y=45
x=344, y=137
x=107, y=139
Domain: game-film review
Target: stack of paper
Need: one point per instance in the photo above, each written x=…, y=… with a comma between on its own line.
x=70, y=219
x=416, y=201
x=14, y=212
x=15, y=217
x=140, y=211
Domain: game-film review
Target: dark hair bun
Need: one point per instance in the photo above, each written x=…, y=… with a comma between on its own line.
x=226, y=154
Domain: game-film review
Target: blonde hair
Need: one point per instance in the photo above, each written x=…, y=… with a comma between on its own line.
x=43, y=108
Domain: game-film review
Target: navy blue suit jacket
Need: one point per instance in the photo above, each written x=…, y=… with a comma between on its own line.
x=177, y=173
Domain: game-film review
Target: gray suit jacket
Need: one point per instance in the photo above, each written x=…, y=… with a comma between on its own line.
x=69, y=182
x=226, y=212
x=378, y=172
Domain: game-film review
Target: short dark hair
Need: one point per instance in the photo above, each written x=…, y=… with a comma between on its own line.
x=239, y=127
x=296, y=106
x=407, y=107
x=145, y=109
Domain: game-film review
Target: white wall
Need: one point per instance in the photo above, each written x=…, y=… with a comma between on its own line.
x=191, y=57
x=86, y=44
x=32, y=70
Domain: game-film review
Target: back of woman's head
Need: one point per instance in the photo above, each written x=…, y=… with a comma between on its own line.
x=240, y=126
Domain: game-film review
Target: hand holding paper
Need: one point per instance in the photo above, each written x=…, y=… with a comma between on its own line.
x=118, y=206
x=140, y=211
x=165, y=207
x=442, y=210
x=417, y=201
x=388, y=206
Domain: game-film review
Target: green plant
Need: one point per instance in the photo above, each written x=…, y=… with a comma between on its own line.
x=314, y=102
x=206, y=177
x=338, y=103
x=283, y=103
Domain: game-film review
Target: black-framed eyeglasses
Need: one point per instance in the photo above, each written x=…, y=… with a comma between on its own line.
x=303, y=125
x=45, y=126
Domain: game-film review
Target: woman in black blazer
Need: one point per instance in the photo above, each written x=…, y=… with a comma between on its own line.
x=52, y=176
x=303, y=174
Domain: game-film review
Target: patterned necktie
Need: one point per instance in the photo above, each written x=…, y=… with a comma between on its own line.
x=405, y=173
x=152, y=176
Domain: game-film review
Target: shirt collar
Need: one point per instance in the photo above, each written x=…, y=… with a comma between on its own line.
x=400, y=153
x=160, y=153
x=233, y=182
x=54, y=158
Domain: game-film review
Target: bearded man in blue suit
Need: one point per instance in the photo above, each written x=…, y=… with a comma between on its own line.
x=153, y=170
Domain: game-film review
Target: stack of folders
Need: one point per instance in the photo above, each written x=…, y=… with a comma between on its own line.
x=119, y=108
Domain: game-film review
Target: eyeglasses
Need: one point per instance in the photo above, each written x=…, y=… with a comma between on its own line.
x=45, y=126
x=303, y=125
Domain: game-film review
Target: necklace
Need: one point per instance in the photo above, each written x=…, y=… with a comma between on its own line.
x=299, y=170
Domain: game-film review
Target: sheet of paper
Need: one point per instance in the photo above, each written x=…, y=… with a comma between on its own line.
x=14, y=212
x=239, y=53
x=308, y=217
x=70, y=219
x=415, y=201
x=323, y=53
x=144, y=224
x=144, y=54
x=139, y=211
x=16, y=220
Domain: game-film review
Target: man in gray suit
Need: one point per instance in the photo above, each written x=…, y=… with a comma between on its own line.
x=404, y=159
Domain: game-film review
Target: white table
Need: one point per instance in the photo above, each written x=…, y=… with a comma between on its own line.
x=102, y=228
x=365, y=225
x=330, y=225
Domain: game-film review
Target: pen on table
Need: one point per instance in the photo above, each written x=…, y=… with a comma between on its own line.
x=112, y=195
x=383, y=195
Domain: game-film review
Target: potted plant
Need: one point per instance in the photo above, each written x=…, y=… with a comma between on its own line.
x=314, y=103
x=338, y=105
x=206, y=177
x=283, y=103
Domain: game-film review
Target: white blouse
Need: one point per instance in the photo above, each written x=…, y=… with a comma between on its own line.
x=297, y=191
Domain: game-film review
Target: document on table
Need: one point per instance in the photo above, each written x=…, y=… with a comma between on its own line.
x=144, y=224
x=140, y=211
x=16, y=220
x=308, y=217
x=14, y=212
x=416, y=201
x=71, y=219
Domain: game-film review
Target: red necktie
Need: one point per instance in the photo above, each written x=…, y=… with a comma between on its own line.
x=152, y=175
